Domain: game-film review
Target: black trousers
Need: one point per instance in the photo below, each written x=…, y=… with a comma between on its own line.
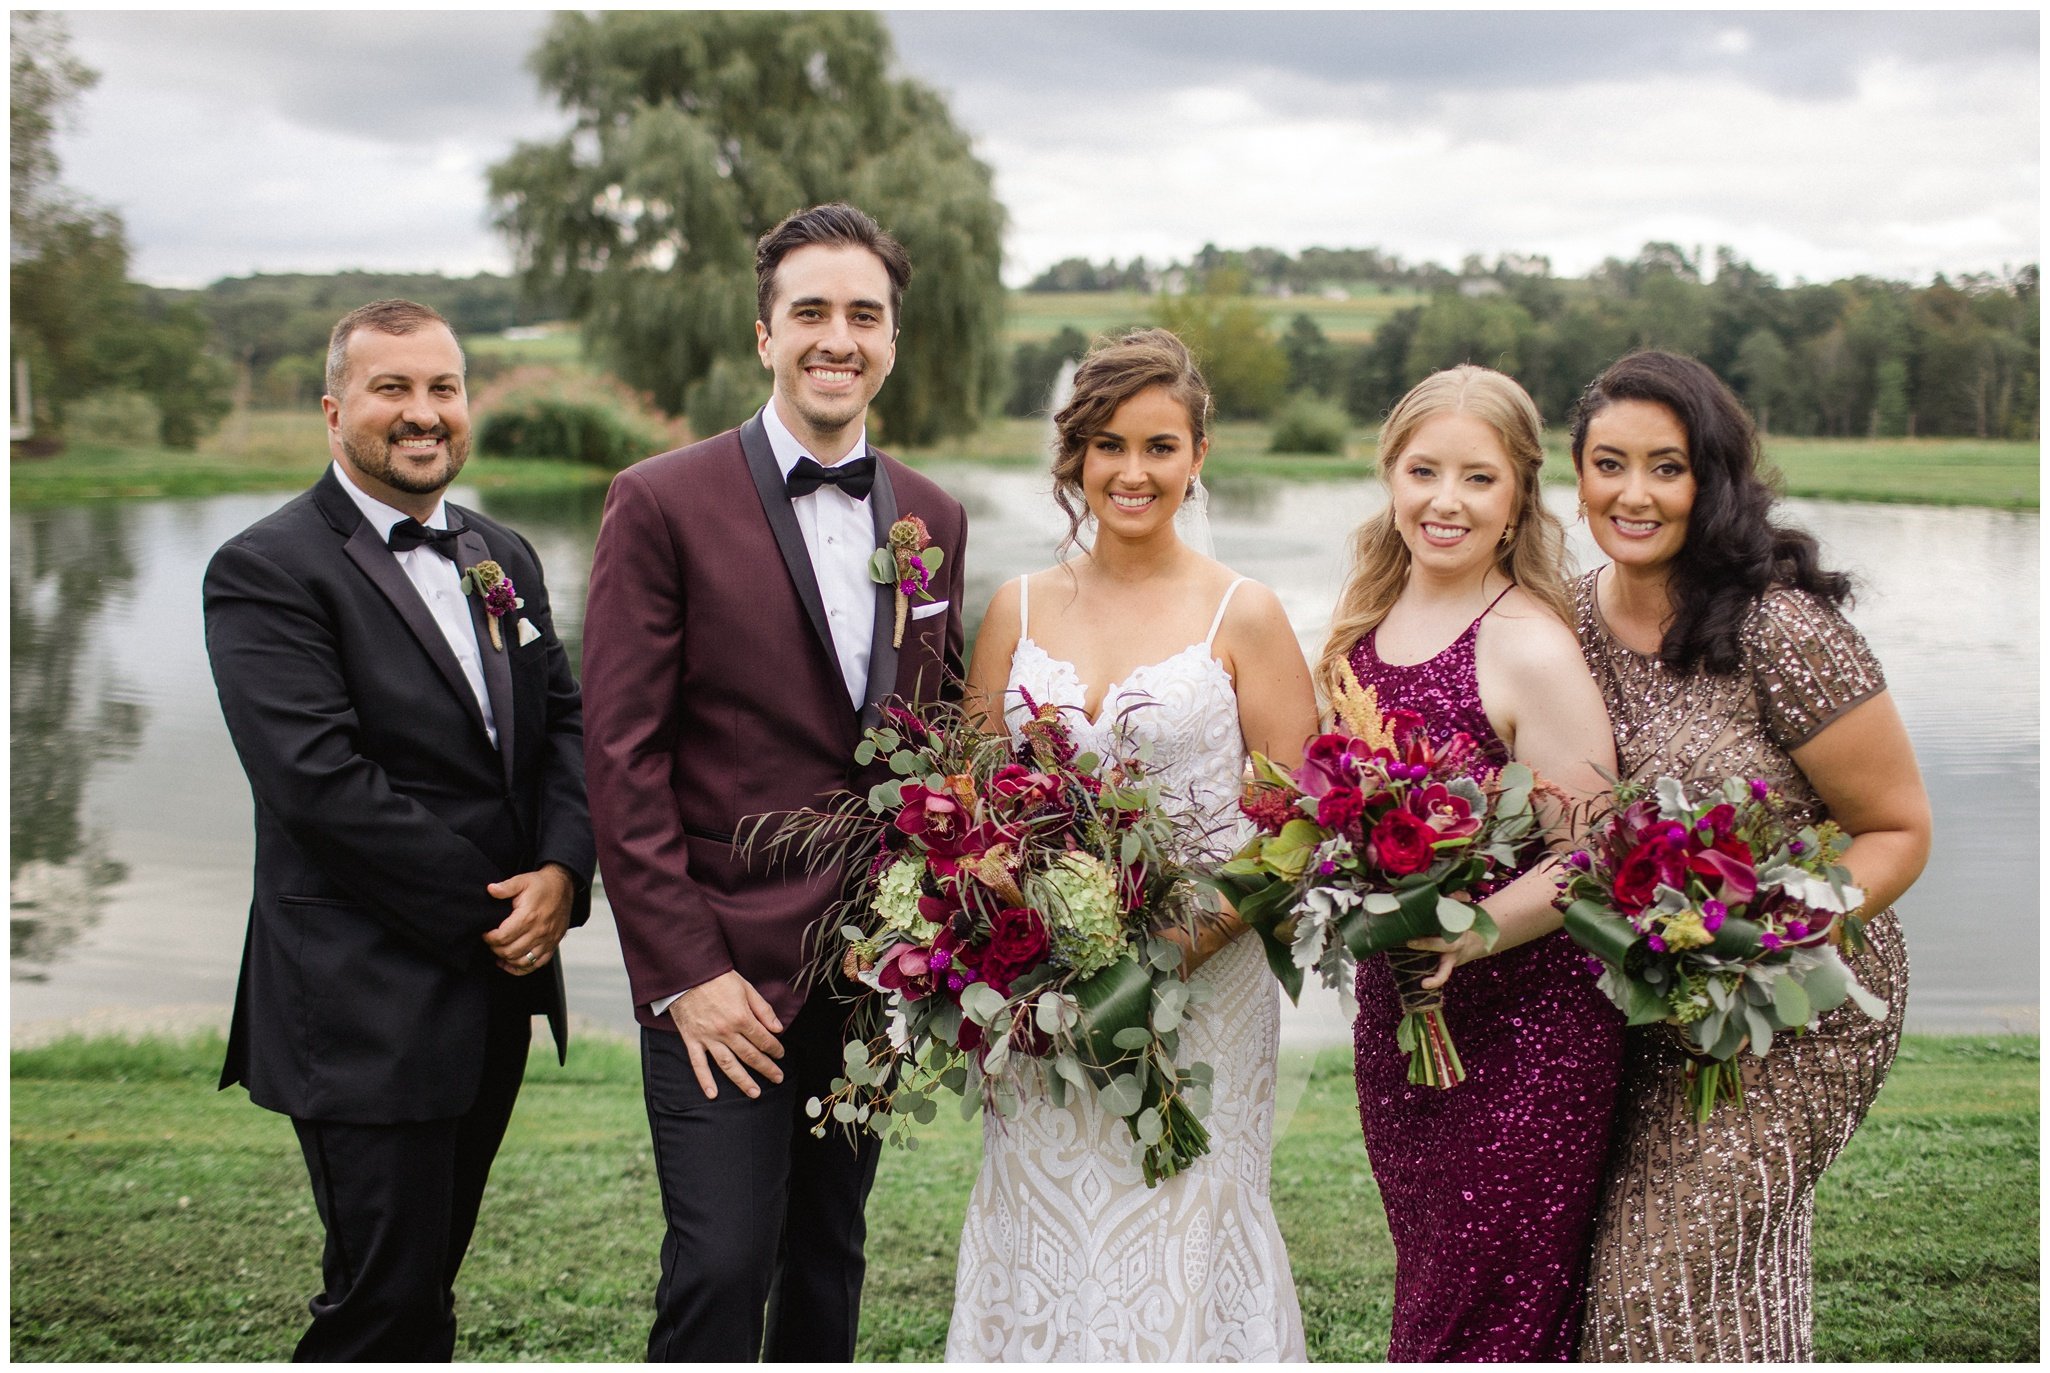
x=765, y=1224
x=399, y=1203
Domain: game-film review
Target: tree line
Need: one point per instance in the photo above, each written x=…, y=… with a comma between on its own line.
x=1857, y=357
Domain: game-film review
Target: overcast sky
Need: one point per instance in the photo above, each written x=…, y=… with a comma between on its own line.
x=1818, y=145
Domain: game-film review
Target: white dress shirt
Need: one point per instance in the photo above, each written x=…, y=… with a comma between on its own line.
x=840, y=534
x=439, y=585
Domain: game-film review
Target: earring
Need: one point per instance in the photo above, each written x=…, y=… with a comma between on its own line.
x=1190, y=494
x=1508, y=533
x=1580, y=517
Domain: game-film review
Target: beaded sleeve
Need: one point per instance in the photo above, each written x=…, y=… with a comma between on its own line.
x=1809, y=663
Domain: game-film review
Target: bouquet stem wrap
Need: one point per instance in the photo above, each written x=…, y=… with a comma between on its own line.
x=1422, y=1032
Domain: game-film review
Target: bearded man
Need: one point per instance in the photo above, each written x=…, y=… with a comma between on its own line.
x=413, y=739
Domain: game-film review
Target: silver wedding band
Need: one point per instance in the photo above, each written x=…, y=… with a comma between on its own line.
x=531, y=956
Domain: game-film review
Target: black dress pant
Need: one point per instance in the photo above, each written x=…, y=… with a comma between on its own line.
x=399, y=1203
x=765, y=1224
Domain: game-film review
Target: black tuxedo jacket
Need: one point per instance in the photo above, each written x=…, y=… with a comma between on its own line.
x=382, y=811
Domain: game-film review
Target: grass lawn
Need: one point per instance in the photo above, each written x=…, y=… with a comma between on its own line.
x=156, y=1219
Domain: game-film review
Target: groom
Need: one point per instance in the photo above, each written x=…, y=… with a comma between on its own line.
x=735, y=645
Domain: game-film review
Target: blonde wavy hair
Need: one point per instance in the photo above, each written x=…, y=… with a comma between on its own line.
x=1534, y=554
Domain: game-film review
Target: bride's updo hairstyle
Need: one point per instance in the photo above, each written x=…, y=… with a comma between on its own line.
x=1733, y=552
x=1111, y=375
x=1534, y=554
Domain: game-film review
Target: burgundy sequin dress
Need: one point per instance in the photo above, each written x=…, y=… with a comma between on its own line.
x=1490, y=1186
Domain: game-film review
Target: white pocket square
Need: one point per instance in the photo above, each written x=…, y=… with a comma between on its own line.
x=926, y=612
x=527, y=631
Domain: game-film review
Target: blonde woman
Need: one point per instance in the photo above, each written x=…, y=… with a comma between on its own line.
x=1456, y=609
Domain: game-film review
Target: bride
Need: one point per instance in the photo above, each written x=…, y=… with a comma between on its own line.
x=1066, y=1253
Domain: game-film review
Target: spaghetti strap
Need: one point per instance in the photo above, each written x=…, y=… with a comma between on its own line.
x=1492, y=604
x=1024, y=605
x=1217, y=620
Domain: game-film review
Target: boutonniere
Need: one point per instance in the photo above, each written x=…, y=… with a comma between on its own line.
x=907, y=559
x=487, y=581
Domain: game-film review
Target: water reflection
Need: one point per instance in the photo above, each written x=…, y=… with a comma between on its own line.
x=131, y=819
x=66, y=712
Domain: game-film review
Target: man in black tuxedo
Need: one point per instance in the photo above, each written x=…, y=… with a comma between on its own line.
x=414, y=741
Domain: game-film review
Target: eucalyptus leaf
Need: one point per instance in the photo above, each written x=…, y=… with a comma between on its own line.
x=865, y=752
x=1132, y=1037
x=1791, y=1001
x=1148, y=1127
x=1761, y=1030
x=1120, y=1096
x=1456, y=917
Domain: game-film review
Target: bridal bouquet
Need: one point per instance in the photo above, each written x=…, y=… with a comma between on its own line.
x=1367, y=846
x=1714, y=913
x=1008, y=928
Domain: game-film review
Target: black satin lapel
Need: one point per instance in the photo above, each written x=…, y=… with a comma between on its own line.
x=371, y=554
x=761, y=464
x=882, y=653
x=498, y=683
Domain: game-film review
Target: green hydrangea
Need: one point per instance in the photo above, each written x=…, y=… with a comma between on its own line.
x=897, y=897
x=1078, y=896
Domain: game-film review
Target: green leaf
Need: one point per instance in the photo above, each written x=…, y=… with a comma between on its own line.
x=1600, y=931
x=1120, y=1096
x=1454, y=917
x=1132, y=1038
x=904, y=762
x=1120, y=997
x=932, y=558
x=1791, y=1001
x=865, y=752
x=1147, y=1127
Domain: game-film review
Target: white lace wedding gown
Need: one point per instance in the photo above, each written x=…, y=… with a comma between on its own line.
x=1067, y=1254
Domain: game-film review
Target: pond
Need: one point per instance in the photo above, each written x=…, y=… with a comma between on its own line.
x=131, y=830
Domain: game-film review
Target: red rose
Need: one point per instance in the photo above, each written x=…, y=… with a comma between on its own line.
x=1655, y=862
x=1017, y=944
x=1402, y=843
x=1341, y=808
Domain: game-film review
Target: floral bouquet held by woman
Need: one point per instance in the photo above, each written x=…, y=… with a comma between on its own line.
x=1373, y=842
x=1716, y=916
x=1008, y=923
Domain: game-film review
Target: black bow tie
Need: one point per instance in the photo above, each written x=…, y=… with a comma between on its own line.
x=854, y=477
x=409, y=534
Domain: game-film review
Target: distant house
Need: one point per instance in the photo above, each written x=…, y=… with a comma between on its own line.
x=1481, y=286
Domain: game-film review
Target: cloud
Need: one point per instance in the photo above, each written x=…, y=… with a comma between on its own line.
x=1814, y=143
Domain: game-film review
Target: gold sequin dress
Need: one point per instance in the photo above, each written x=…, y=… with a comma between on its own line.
x=1701, y=1248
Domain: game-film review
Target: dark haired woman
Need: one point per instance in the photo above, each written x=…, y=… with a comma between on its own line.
x=1066, y=1254
x=1716, y=638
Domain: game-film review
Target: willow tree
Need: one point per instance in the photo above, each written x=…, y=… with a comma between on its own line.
x=695, y=132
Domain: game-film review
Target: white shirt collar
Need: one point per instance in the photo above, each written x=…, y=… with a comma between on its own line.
x=788, y=449
x=382, y=517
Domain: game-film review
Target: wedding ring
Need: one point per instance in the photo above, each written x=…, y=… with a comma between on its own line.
x=532, y=954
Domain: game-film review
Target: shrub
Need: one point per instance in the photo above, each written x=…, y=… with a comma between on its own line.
x=566, y=415
x=726, y=395
x=1308, y=424
x=119, y=419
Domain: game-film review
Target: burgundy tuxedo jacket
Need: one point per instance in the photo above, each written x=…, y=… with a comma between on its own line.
x=712, y=694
